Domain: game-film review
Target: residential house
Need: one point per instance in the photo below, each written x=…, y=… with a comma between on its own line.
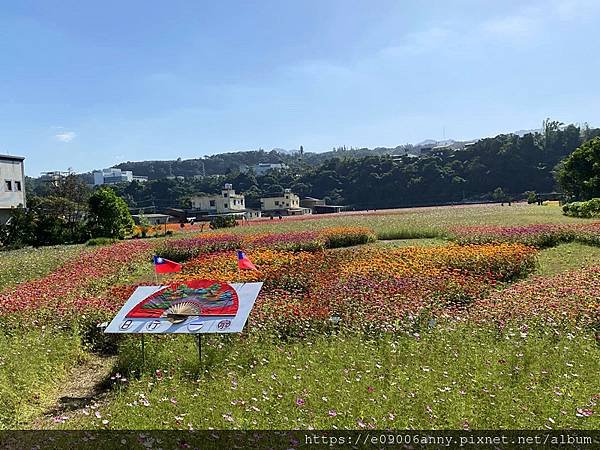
x=12, y=187
x=286, y=205
x=225, y=203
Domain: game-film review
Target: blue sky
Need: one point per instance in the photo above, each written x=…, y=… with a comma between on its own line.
x=90, y=84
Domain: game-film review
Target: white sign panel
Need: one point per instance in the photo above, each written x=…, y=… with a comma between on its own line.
x=192, y=307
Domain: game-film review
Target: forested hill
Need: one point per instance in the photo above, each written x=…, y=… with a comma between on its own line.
x=507, y=163
x=223, y=163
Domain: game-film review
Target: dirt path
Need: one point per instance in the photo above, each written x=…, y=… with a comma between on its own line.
x=86, y=384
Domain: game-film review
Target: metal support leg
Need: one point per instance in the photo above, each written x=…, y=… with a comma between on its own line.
x=143, y=352
x=200, y=348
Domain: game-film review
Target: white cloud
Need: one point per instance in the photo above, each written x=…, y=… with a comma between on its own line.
x=575, y=9
x=421, y=42
x=514, y=27
x=65, y=136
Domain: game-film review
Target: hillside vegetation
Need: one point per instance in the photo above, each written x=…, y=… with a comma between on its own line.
x=498, y=168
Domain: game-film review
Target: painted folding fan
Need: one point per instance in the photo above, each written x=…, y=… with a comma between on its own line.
x=178, y=301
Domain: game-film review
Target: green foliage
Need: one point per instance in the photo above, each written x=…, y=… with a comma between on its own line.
x=100, y=241
x=19, y=231
x=499, y=195
x=531, y=197
x=579, y=173
x=109, y=215
x=587, y=210
x=58, y=217
x=223, y=222
x=368, y=179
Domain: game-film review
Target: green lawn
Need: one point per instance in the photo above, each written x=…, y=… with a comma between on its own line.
x=17, y=266
x=33, y=365
x=567, y=257
x=420, y=222
x=445, y=378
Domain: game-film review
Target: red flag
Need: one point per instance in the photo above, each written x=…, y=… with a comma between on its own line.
x=162, y=265
x=244, y=262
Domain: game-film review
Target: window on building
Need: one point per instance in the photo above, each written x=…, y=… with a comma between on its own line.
x=226, y=205
x=224, y=194
x=212, y=203
x=18, y=186
x=8, y=185
x=276, y=202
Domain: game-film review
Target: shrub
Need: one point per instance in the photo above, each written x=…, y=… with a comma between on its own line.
x=223, y=222
x=101, y=241
x=587, y=210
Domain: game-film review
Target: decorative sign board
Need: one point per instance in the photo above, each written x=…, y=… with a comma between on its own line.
x=191, y=307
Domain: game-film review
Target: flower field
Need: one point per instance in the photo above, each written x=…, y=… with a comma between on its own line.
x=75, y=287
x=540, y=235
x=344, y=333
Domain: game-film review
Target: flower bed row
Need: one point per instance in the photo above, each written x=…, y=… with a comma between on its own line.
x=540, y=235
x=572, y=297
x=72, y=287
x=182, y=250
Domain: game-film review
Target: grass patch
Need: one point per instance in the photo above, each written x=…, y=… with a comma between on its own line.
x=27, y=264
x=447, y=378
x=567, y=257
x=420, y=222
x=32, y=366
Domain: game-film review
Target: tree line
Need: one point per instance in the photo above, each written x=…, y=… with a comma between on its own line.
x=502, y=167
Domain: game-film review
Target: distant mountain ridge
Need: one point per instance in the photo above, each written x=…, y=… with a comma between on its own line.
x=224, y=163
x=228, y=162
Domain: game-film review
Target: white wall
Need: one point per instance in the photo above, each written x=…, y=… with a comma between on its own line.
x=11, y=170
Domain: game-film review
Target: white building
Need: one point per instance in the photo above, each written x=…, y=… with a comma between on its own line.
x=261, y=169
x=286, y=205
x=12, y=187
x=227, y=202
x=112, y=176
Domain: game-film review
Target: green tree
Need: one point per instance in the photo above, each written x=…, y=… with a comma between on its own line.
x=579, y=173
x=109, y=215
x=19, y=230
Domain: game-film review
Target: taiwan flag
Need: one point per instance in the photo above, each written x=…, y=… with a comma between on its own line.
x=244, y=262
x=162, y=265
